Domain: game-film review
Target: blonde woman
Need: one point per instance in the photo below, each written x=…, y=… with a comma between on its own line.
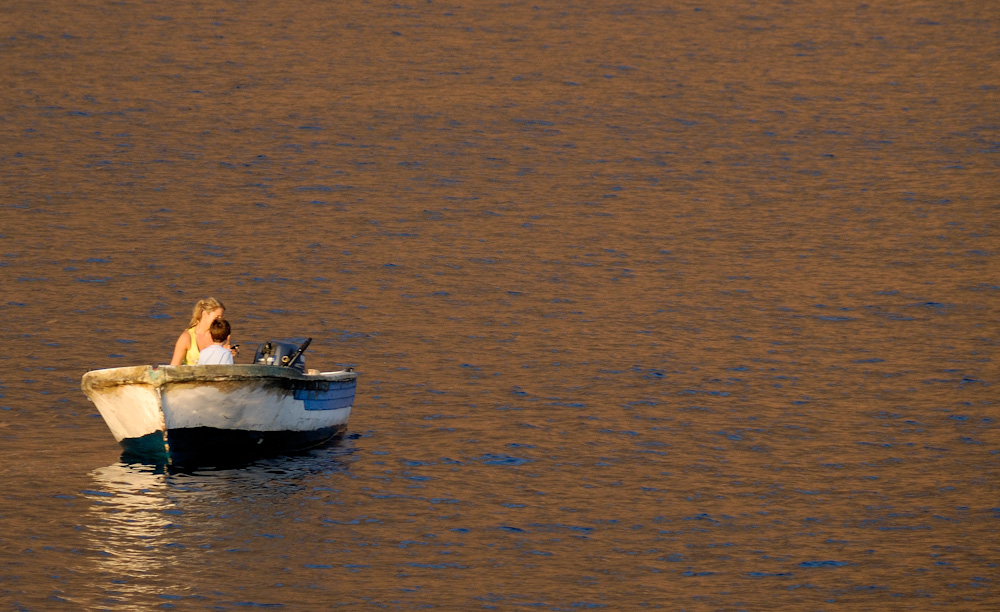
x=197, y=335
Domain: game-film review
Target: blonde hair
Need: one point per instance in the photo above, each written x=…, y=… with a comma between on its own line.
x=204, y=305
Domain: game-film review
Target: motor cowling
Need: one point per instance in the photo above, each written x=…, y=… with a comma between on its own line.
x=278, y=353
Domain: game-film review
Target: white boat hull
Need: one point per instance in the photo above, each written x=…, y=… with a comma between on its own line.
x=233, y=411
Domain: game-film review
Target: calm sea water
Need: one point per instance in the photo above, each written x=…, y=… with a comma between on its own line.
x=655, y=305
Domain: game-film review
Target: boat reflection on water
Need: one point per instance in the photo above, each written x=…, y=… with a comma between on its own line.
x=130, y=515
x=147, y=520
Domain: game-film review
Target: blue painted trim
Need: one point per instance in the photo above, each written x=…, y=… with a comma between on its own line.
x=331, y=399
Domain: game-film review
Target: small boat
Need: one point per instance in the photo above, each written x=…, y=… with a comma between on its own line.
x=214, y=414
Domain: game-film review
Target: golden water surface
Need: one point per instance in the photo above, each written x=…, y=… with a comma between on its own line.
x=656, y=305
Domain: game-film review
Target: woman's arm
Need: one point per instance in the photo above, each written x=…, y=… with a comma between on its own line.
x=182, y=346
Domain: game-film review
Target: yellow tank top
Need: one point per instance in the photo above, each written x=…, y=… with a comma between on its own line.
x=191, y=356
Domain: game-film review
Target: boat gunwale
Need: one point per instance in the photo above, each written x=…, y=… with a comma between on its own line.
x=158, y=376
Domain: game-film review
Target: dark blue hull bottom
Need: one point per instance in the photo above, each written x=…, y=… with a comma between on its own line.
x=208, y=446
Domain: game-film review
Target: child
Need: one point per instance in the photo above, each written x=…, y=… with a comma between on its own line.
x=217, y=353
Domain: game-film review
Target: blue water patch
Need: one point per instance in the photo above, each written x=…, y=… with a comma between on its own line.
x=730, y=435
x=827, y=563
x=97, y=493
x=492, y=459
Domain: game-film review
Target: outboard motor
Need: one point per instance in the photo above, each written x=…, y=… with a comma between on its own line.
x=285, y=354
